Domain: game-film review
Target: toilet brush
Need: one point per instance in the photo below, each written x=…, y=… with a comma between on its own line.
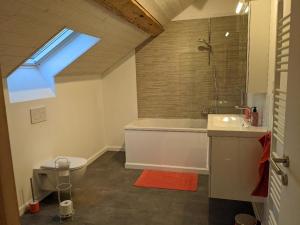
x=34, y=206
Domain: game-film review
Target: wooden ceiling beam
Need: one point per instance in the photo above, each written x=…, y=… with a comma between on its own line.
x=134, y=13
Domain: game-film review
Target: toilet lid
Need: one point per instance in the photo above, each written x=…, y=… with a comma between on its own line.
x=75, y=162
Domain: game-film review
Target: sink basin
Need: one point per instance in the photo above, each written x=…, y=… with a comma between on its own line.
x=231, y=125
x=227, y=121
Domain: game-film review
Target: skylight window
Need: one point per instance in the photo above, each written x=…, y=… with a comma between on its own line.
x=50, y=46
x=34, y=79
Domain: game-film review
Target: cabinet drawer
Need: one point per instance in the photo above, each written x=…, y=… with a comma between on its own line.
x=234, y=167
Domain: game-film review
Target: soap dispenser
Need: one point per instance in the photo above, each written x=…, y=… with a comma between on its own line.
x=254, y=117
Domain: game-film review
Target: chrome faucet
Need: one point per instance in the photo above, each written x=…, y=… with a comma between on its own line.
x=247, y=116
x=242, y=108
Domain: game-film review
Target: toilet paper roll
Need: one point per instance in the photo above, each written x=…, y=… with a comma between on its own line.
x=66, y=208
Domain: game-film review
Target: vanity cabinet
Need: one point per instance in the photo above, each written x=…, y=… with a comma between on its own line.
x=234, y=155
x=234, y=167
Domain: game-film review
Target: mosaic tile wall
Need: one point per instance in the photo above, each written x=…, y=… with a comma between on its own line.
x=174, y=79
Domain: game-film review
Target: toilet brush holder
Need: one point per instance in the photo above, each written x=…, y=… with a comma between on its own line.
x=34, y=207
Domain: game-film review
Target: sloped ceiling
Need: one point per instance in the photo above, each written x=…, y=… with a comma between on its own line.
x=25, y=25
x=165, y=10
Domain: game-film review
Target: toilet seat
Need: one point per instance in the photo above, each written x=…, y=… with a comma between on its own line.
x=75, y=162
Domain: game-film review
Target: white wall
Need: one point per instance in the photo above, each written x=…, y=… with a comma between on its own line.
x=261, y=57
x=74, y=126
x=86, y=116
x=272, y=55
x=268, y=120
x=120, y=99
x=259, y=41
x=208, y=8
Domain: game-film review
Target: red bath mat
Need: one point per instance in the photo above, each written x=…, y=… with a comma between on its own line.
x=168, y=180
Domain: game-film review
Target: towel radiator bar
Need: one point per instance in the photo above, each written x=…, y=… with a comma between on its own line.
x=278, y=178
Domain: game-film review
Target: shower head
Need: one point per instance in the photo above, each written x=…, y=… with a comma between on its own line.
x=204, y=48
x=204, y=41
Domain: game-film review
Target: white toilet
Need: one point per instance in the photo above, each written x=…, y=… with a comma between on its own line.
x=46, y=174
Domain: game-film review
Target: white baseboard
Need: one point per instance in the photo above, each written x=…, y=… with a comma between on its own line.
x=23, y=208
x=102, y=151
x=115, y=148
x=96, y=155
x=204, y=171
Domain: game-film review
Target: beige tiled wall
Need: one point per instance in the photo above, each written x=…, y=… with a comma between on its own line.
x=174, y=79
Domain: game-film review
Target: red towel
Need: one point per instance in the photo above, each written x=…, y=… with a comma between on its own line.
x=261, y=188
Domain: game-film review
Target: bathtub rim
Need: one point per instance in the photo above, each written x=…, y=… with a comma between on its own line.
x=132, y=127
x=166, y=129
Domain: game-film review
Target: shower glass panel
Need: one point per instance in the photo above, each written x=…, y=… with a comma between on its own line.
x=229, y=61
x=193, y=68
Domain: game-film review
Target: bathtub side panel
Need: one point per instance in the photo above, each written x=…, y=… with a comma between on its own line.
x=165, y=150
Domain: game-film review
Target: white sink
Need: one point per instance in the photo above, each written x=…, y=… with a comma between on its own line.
x=231, y=125
x=227, y=121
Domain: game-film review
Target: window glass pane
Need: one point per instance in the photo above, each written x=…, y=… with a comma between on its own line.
x=58, y=39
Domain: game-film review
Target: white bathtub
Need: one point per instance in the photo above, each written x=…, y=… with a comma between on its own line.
x=167, y=144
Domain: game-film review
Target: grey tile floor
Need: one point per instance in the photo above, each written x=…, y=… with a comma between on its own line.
x=107, y=196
